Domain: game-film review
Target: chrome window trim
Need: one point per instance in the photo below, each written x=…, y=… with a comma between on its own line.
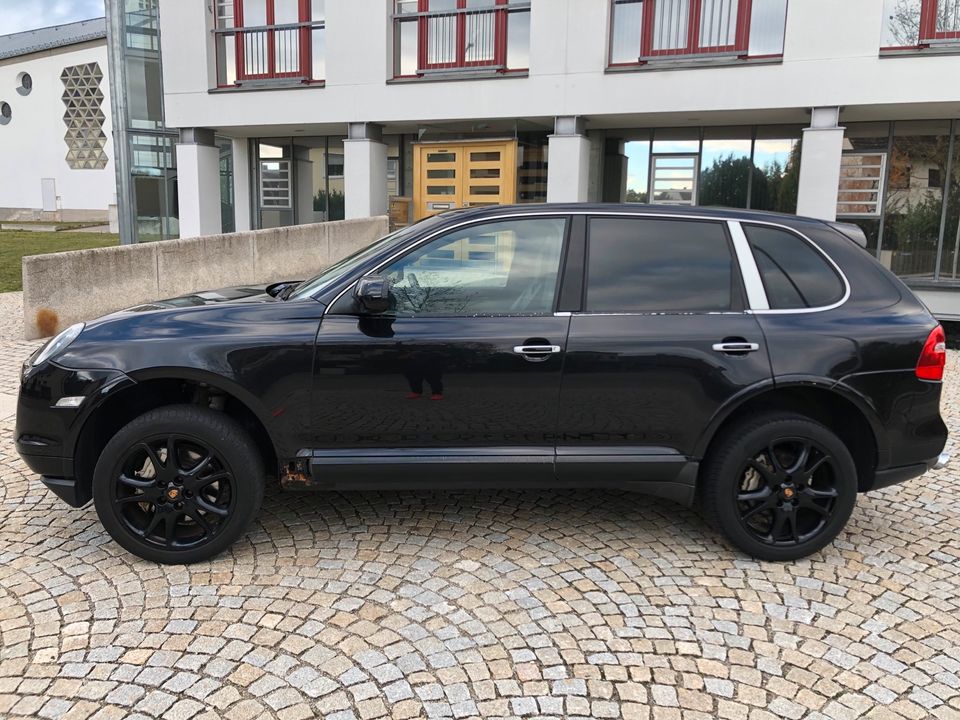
x=752, y=282
x=621, y=213
x=836, y=268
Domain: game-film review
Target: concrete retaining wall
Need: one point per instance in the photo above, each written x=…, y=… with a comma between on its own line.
x=60, y=289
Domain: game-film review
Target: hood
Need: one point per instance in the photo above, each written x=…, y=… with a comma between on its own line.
x=242, y=293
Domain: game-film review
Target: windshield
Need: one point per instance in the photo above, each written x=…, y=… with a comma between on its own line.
x=336, y=271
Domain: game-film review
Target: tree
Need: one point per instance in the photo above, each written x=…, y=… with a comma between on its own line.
x=633, y=196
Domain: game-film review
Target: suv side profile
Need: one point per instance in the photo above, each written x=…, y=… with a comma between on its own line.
x=766, y=365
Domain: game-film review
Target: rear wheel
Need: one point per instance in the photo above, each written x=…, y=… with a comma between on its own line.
x=779, y=487
x=178, y=484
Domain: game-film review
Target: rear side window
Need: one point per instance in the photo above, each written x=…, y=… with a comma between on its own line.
x=651, y=265
x=794, y=274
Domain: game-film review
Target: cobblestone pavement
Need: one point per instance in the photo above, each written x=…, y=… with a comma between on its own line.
x=368, y=605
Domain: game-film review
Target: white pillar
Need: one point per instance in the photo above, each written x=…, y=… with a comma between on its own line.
x=568, y=162
x=364, y=172
x=820, y=164
x=198, y=179
x=242, y=200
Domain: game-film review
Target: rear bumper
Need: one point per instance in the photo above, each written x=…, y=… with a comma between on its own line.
x=892, y=476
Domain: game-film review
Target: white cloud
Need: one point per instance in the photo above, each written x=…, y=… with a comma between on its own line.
x=18, y=15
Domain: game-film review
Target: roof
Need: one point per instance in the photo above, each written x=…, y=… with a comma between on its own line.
x=48, y=38
x=719, y=213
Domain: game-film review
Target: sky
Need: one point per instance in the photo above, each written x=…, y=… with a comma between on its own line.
x=17, y=15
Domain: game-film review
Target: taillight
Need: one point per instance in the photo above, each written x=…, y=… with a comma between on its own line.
x=934, y=356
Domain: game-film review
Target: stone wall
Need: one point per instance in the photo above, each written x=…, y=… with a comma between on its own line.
x=60, y=289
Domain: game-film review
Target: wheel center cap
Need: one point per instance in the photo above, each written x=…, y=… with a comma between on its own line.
x=789, y=493
x=173, y=493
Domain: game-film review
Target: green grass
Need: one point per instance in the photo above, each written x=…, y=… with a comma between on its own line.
x=14, y=244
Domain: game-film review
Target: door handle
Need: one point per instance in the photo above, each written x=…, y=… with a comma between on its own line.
x=736, y=347
x=536, y=353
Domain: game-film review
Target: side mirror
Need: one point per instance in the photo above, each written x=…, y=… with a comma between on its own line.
x=373, y=293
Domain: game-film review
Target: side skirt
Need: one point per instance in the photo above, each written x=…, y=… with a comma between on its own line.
x=665, y=474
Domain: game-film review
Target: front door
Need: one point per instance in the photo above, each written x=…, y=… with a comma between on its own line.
x=447, y=177
x=461, y=377
x=661, y=345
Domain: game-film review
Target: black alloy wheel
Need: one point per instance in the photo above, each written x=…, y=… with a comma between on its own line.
x=779, y=487
x=178, y=484
x=173, y=491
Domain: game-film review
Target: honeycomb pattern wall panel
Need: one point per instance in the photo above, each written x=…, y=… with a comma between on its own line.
x=84, y=117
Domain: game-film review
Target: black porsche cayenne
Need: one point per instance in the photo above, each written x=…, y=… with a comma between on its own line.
x=765, y=366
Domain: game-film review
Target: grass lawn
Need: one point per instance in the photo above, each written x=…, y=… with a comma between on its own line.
x=14, y=244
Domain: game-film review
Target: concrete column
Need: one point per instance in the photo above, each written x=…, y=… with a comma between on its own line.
x=820, y=164
x=242, y=199
x=364, y=171
x=614, y=171
x=198, y=177
x=568, y=162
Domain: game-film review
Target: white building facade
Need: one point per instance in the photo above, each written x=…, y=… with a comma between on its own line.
x=840, y=110
x=55, y=124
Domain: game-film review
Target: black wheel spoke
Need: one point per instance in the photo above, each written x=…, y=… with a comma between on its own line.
x=778, y=468
x=206, y=505
x=134, y=499
x=152, y=525
x=172, y=461
x=808, y=503
x=198, y=518
x=792, y=522
x=754, y=495
x=816, y=494
x=196, y=484
x=779, y=521
x=136, y=483
x=821, y=461
x=170, y=529
x=801, y=460
x=757, y=509
x=198, y=469
x=763, y=470
x=153, y=457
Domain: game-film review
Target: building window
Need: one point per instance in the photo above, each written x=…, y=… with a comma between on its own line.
x=918, y=24
x=433, y=36
x=24, y=83
x=5, y=113
x=861, y=184
x=270, y=40
x=648, y=31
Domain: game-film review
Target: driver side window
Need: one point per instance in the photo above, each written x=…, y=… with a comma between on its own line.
x=504, y=268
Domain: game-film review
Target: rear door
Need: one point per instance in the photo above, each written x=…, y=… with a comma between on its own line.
x=661, y=343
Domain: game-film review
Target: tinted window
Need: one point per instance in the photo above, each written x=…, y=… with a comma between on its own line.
x=650, y=265
x=795, y=275
x=508, y=267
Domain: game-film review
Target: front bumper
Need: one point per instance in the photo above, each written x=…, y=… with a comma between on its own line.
x=892, y=476
x=47, y=436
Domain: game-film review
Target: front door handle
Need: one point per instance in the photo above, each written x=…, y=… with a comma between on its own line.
x=738, y=348
x=536, y=353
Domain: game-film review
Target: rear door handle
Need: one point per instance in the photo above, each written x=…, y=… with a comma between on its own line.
x=736, y=347
x=536, y=353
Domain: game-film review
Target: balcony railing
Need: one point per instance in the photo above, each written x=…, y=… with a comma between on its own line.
x=289, y=53
x=431, y=36
x=646, y=31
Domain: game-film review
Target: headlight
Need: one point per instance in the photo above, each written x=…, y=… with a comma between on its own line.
x=59, y=343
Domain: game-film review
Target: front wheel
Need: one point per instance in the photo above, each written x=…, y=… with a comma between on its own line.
x=779, y=487
x=178, y=484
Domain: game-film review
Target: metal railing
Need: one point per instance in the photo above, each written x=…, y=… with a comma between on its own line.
x=461, y=38
x=695, y=28
x=269, y=52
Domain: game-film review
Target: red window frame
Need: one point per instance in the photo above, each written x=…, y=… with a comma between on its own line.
x=741, y=44
x=500, y=37
x=304, y=15
x=928, y=24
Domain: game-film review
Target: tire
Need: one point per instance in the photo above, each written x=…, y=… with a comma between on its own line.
x=187, y=511
x=785, y=508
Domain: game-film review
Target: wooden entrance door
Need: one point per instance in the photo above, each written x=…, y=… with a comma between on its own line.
x=463, y=175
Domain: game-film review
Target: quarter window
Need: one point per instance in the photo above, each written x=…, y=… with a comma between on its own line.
x=504, y=268
x=794, y=274
x=645, y=265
